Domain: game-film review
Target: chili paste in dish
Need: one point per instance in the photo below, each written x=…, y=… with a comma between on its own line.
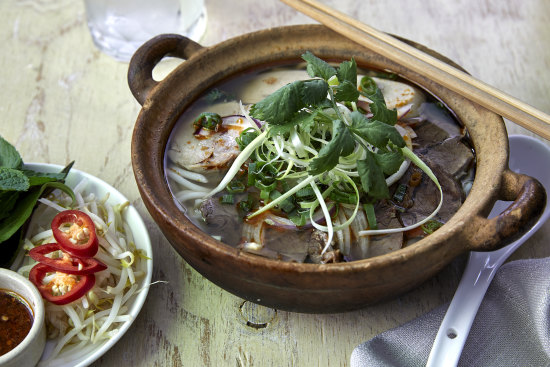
x=15, y=320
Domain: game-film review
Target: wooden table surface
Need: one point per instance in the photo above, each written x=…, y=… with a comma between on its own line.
x=62, y=100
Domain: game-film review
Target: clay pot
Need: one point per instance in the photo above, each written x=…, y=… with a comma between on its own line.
x=311, y=287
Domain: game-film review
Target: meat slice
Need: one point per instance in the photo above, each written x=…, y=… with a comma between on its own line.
x=452, y=155
x=420, y=201
x=210, y=150
x=222, y=220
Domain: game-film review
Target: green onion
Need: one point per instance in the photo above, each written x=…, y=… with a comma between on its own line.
x=371, y=216
x=298, y=217
x=368, y=86
x=431, y=226
x=264, y=187
x=227, y=199
x=287, y=205
x=246, y=137
x=288, y=193
x=235, y=187
x=343, y=197
x=251, y=173
x=238, y=162
x=305, y=193
x=265, y=195
x=400, y=192
x=273, y=195
x=247, y=205
x=208, y=120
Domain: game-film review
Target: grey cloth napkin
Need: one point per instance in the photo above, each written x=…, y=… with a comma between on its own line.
x=511, y=327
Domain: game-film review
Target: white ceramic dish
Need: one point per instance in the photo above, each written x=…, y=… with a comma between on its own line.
x=142, y=241
x=29, y=350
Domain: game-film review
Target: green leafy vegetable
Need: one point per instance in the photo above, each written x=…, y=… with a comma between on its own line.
x=342, y=144
x=317, y=67
x=20, y=189
x=378, y=106
x=372, y=177
x=13, y=180
x=208, y=120
x=283, y=104
x=9, y=156
x=315, y=145
x=375, y=132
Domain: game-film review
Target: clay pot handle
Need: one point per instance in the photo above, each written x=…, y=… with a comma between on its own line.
x=529, y=200
x=140, y=71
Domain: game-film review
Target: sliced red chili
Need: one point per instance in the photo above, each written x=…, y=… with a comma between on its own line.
x=63, y=288
x=79, y=239
x=66, y=263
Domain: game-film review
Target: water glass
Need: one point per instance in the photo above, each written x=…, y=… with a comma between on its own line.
x=119, y=27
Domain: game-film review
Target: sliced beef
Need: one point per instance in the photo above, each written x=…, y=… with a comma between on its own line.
x=386, y=216
x=222, y=220
x=290, y=244
x=420, y=201
x=452, y=155
x=437, y=125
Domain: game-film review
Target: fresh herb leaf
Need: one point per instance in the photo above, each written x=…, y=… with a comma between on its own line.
x=378, y=107
x=347, y=72
x=372, y=177
x=12, y=179
x=375, y=132
x=389, y=161
x=40, y=178
x=317, y=67
x=305, y=120
x=382, y=113
x=25, y=205
x=9, y=157
x=346, y=92
x=8, y=200
x=279, y=107
x=341, y=144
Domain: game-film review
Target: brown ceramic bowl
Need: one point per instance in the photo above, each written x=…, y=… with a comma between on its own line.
x=312, y=287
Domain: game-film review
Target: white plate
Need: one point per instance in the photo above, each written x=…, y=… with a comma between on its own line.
x=142, y=241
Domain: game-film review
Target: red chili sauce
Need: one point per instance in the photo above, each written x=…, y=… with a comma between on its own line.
x=15, y=320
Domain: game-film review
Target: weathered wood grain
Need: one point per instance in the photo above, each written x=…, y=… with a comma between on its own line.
x=63, y=100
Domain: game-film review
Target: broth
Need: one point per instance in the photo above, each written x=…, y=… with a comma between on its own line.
x=194, y=167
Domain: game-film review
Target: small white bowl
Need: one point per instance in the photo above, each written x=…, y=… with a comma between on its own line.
x=29, y=351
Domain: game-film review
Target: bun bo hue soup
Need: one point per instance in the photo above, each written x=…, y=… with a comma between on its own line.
x=318, y=163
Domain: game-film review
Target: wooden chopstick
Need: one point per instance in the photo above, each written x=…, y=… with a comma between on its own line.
x=464, y=84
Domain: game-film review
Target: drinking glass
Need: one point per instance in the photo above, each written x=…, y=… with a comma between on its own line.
x=119, y=27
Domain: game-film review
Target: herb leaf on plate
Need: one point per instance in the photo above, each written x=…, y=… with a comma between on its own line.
x=20, y=189
x=9, y=156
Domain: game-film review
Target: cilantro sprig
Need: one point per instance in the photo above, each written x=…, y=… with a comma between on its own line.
x=302, y=103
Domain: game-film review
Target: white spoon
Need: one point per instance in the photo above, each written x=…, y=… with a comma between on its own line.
x=528, y=156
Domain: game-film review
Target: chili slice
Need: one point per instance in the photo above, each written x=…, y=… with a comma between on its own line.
x=80, y=239
x=63, y=288
x=67, y=263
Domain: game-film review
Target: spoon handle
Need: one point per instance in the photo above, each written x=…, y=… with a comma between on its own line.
x=460, y=316
x=482, y=266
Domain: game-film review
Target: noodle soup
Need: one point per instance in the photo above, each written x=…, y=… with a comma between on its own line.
x=318, y=169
